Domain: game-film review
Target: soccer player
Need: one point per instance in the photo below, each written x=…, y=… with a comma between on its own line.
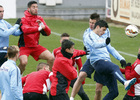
x=77, y=61
x=36, y=84
x=133, y=71
x=100, y=60
x=11, y=85
x=87, y=69
x=6, y=29
x=63, y=72
x=32, y=25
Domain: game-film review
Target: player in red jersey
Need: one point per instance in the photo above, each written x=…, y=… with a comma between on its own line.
x=133, y=71
x=63, y=71
x=36, y=84
x=76, y=61
x=32, y=26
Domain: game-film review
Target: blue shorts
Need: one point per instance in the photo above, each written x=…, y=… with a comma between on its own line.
x=107, y=70
x=87, y=67
x=103, y=79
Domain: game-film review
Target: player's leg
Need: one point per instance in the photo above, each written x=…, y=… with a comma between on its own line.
x=111, y=83
x=106, y=67
x=23, y=62
x=98, y=91
x=40, y=52
x=47, y=55
x=78, y=83
x=85, y=71
x=23, y=57
x=81, y=92
x=99, y=85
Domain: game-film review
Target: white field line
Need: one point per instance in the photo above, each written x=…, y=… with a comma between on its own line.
x=95, y=84
x=131, y=55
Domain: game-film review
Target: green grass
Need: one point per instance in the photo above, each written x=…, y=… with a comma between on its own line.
x=76, y=29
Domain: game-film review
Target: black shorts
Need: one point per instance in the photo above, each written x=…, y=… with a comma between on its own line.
x=59, y=97
x=2, y=57
x=34, y=96
x=87, y=67
x=127, y=97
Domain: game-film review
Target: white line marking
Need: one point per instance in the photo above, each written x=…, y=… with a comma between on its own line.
x=95, y=84
x=131, y=55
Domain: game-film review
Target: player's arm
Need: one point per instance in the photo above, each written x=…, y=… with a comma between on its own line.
x=14, y=85
x=79, y=62
x=78, y=53
x=122, y=70
x=114, y=52
x=23, y=80
x=27, y=28
x=129, y=74
x=47, y=30
x=67, y=70
x=10, y=31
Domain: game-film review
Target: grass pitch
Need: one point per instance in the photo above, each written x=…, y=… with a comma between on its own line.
x=128, y=48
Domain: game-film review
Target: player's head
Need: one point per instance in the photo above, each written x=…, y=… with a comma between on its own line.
x=13, y=52
x=92, y=20
x=64, y=36
x=100, y=27
x=32, y=7
x=43, y=66
x=67, y=46
x=1, y=12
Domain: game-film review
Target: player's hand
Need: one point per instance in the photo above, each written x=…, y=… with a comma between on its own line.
x=43, y=26
x=87, y=52
x=138, y=56
x=18, y=21
x=108, y=40
x=128, y=64
x=123, y=63
x=71, y=98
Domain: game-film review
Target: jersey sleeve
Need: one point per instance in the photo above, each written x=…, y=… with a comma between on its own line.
x=131, y=74
x=79, y=63
x=67, y=70
x=47, y=30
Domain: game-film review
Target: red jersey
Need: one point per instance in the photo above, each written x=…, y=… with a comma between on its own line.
x=77, y=61
x=133, y=71
x=63, y=73
x=38, y=82
x=31, y=34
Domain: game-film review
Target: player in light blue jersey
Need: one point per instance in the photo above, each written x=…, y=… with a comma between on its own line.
x=6, y=29
x=100, y=60
x=101, y=78
x=10, y=78
x=87, y=69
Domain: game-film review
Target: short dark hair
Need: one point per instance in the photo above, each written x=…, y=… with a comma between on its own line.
x=66, y=44
x=95, y=16
x=101, y=23
x=30, y=3
x=65, y=35
x=1, y=6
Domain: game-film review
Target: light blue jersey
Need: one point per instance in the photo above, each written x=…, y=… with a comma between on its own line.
x=98, y=48
x=87, y=31
x=6, y=29
x=10, y=81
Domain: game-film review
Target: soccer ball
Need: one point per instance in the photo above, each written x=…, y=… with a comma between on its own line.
x=131, y=31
